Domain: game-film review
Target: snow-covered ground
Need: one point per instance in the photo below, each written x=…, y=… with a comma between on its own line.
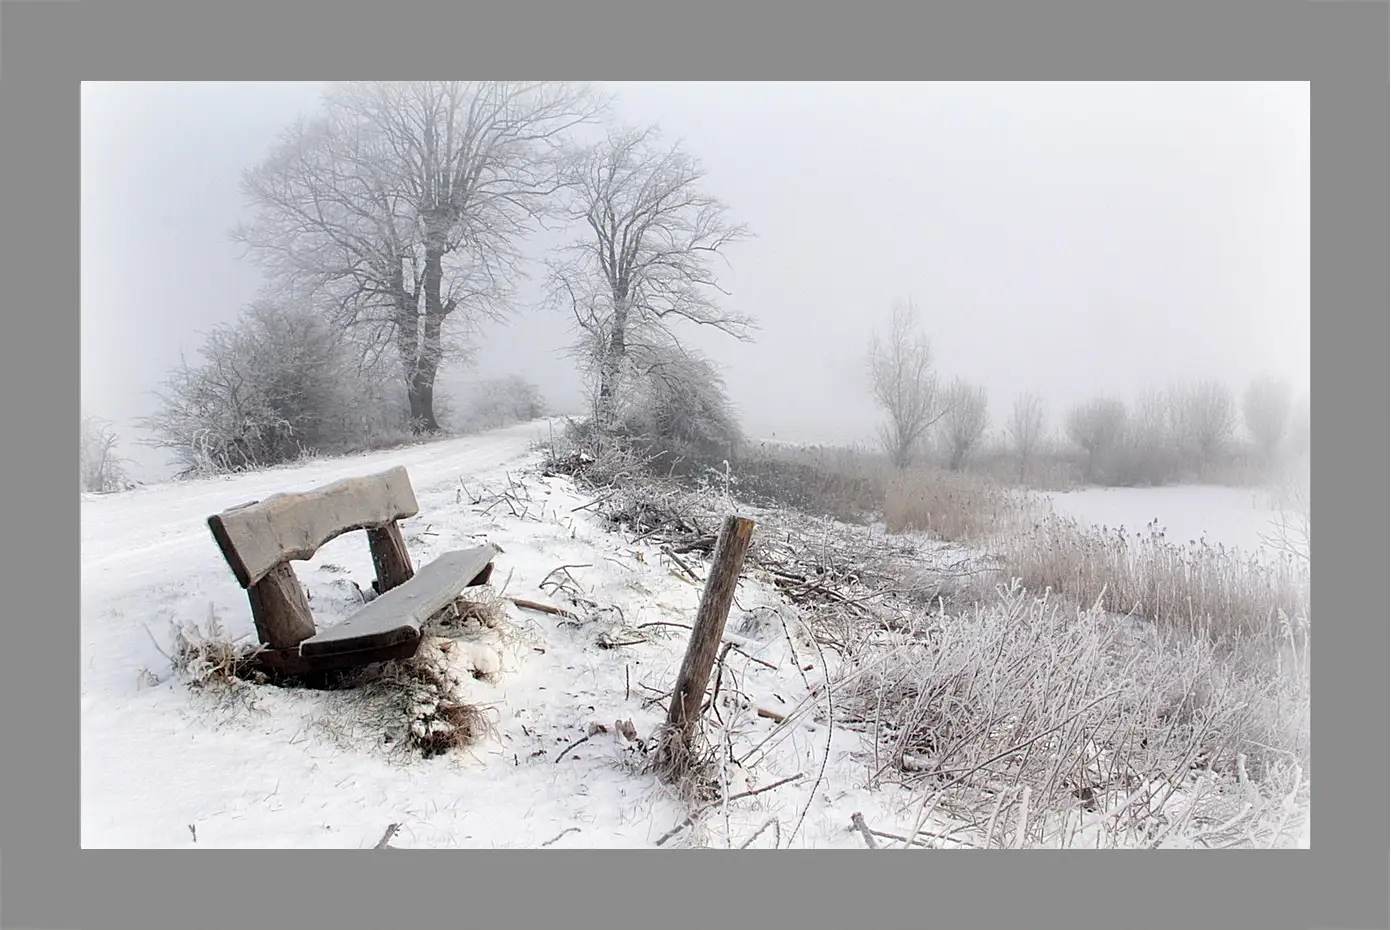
x=163, y=766
x=166, y=766
x=1241, y=518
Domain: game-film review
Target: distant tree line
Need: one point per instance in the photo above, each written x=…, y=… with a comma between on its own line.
x=1187, y=432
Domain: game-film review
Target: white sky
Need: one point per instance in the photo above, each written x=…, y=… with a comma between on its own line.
x=1063, y=238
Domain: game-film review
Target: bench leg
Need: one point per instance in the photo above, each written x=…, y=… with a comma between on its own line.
x=390, y=557
x=482, y=577
x=280, y=609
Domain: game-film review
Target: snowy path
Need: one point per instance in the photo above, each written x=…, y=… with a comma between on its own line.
x=164, y=767
x=156, y=534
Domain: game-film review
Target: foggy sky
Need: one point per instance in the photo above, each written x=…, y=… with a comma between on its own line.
x=1067, y=239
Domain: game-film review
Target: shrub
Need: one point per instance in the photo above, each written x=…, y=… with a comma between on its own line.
x=275, y=385
x=500, y=402
x=103, y=470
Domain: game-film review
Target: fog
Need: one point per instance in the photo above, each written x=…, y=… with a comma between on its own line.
x=1066, y=239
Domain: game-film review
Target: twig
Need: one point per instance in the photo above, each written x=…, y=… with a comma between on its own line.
x=1021, y=832
x=542, y=608
x=386, y=837
x=857, y=819
x=566, y=751
x=597, y=500
x=917, y=842
x=830, y=736
x=752, y=658
x=734, y=797
x=553, y=839
x=777, y=833
x=681, y=562
x=611, y=644
x=562, y=568
x=771, y=715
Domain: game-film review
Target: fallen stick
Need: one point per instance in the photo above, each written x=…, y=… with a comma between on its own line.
x=917, y=842
x=681, y=562
x=733, y=797
x=542, y=608
x=575, y=745
x=752, y=658
x=553, y=839
x=857, y=820
x=771, y=715
x=777, y=833
x=386, y=837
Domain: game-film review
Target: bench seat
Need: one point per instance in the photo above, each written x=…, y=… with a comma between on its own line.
x=395, y=618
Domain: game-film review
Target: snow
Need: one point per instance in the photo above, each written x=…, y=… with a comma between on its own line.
x=166, y=767
x=1240, y=518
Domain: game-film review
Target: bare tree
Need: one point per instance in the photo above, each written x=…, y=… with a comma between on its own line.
x=1025, y=429
x=103, y=470
x=904, y=385
x=400, y=208
x=1096, y=426
x=643, y=264
x=1205, y=420
x=1266, y=409
x=966, y=414
x=1150, y=454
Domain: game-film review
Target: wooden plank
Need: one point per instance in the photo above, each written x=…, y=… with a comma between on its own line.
x=280, y=609
x=396, y=616
x=288, y=663
x=254, y=538
x=390, y=557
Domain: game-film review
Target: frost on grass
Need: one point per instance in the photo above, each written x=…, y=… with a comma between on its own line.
x=414, y=703
x=213, y=664
x=417, y=702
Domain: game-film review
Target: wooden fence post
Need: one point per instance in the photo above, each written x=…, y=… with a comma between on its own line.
x=735, y=537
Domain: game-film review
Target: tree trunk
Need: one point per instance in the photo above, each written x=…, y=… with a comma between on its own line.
x=424, y=364
x=611, y=366
x=420, y=392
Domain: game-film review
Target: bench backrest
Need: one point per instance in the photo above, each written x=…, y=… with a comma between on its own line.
x=256, y=537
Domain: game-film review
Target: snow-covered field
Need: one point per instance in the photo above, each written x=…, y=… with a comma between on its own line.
x=1240, y=518
x=167, y=766
x=163, y=766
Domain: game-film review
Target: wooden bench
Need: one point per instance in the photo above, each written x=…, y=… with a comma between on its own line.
x=260, y=539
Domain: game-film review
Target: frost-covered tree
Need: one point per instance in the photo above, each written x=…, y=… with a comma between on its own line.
x=643, y=264
x=398, y=211
x=904, y=385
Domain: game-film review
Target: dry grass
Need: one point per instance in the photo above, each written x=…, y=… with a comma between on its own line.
x=841, y=482
x=1205, y=590
x=1125, y=691
x=416, y=702
x=953, y=506
x=206, y=657
x=1101, y=728
x=413, y=704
